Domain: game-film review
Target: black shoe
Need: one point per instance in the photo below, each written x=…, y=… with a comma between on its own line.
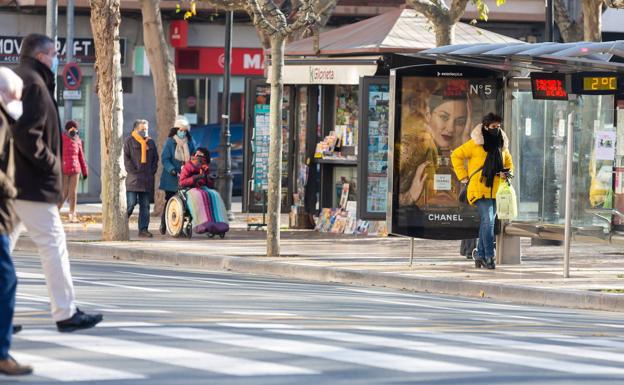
x=163, y=230
x=17, y=329
x=145, y=234
x=79, y=321
x=490, y=263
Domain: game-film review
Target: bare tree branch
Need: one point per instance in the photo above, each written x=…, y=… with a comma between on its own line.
x=458, y=7
x=431, y=10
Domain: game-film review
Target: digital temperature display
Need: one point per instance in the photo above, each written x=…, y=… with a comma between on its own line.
x=600, y=83
x=596, y=83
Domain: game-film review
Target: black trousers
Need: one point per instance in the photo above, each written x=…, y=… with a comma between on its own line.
x=168, y=194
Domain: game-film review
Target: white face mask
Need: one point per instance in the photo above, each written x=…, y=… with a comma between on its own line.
x=15, y=109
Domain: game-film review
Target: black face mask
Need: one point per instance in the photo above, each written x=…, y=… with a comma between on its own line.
x=73, y=133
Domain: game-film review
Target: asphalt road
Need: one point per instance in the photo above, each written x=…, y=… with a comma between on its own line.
x=166, y=326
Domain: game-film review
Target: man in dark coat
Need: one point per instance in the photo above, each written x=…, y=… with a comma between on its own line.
x=10, y=90
x=37, y=141
x=141, y=162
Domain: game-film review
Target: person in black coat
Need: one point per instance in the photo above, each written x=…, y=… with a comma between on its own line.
x=141, y=162
x=37, y=142
x=10, y=90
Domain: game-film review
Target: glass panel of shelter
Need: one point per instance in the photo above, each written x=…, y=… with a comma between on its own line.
x=539, y=145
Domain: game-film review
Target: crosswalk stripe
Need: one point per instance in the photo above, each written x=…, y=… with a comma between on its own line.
x=121, y=324
x=67, y=371
x=255, y=325
x=165, y=355
x=309, y=349
x=536, y=347
x=188, y=279
x=459, y=351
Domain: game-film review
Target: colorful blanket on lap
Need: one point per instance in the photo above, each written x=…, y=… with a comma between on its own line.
x=206, y=206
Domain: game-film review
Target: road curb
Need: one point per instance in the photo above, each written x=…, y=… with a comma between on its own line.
x=513, y=293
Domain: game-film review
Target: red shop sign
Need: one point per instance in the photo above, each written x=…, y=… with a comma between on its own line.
x=178, y=33
x=210, y=60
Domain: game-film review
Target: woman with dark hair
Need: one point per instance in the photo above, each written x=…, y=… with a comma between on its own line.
x=73, y=165
x=176, y=151
x=489, y=162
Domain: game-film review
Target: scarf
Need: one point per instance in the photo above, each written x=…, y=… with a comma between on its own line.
x=143, y=142
x=181, y=151
x=492, y=144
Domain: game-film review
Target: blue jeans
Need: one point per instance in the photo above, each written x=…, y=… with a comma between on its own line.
x=143, y=199
x=487, y=210
x=8, y=285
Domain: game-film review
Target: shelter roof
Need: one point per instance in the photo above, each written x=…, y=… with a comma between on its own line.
x=399, y=31
x=555, y=57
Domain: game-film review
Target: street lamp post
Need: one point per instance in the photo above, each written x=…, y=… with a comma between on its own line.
x=225, y=159
x=69, y=53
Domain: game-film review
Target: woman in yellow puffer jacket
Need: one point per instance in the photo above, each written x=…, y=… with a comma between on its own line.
x=488, y=159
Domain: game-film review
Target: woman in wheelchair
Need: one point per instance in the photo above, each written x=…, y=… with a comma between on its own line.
x=206, y=207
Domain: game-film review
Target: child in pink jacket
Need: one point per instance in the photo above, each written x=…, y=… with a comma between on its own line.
x=73, y=165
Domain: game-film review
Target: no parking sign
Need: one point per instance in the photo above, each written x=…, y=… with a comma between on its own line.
x=72, y=76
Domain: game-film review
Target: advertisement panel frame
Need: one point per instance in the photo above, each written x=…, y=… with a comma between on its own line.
x=363, y=137
x=396, y=82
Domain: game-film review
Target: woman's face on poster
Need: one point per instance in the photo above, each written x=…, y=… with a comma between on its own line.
x=447, y=122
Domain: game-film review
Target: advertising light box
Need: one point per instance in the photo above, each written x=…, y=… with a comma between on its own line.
x=434, y=109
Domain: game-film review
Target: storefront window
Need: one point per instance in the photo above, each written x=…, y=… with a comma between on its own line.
x=81, y=102
x=540, y=128
x=377, y=148
x=193, y=100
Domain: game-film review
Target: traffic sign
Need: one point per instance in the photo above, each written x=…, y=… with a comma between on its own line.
x=72, y=76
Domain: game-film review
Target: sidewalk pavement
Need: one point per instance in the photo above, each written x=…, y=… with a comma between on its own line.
x=597, y=270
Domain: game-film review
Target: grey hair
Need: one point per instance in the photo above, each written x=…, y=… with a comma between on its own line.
x=139, y=122
x=33, y=44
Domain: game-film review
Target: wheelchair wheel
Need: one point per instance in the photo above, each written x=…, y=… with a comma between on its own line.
x=174, y=216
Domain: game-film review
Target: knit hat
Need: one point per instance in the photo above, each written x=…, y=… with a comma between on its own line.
x=181, y=121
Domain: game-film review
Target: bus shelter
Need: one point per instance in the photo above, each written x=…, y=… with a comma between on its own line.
x=563, y=110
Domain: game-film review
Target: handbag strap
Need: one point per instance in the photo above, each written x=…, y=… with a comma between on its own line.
x=476, y=171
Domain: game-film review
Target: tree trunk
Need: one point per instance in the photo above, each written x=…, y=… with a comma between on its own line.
x=570, y=30
x=165, y=82
x=592, y=20
x=445, y=33
x=105, y=20
x=275, y=147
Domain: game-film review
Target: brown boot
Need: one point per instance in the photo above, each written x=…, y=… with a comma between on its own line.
x=10, y=367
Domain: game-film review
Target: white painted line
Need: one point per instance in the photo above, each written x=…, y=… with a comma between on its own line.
x=309, y=349
x=135, y=311
x=535, y=347
x=38, y=298
x=389, y=317
x=459, y=351
x=396, y=329
x=122, y=286
x=105, y=324
x=457, y=309
x=27, y=275
x=257, y=325
x=259, y=312
x=533, y=334
x=20, y=309
x=188, y=279
x=593, y=342
x=164, y=355
x=66, y=371
x=618, y=326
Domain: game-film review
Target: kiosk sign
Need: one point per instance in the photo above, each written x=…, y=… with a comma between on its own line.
x=436, y=109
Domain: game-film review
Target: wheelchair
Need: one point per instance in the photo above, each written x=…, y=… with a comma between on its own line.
x=178, y=218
